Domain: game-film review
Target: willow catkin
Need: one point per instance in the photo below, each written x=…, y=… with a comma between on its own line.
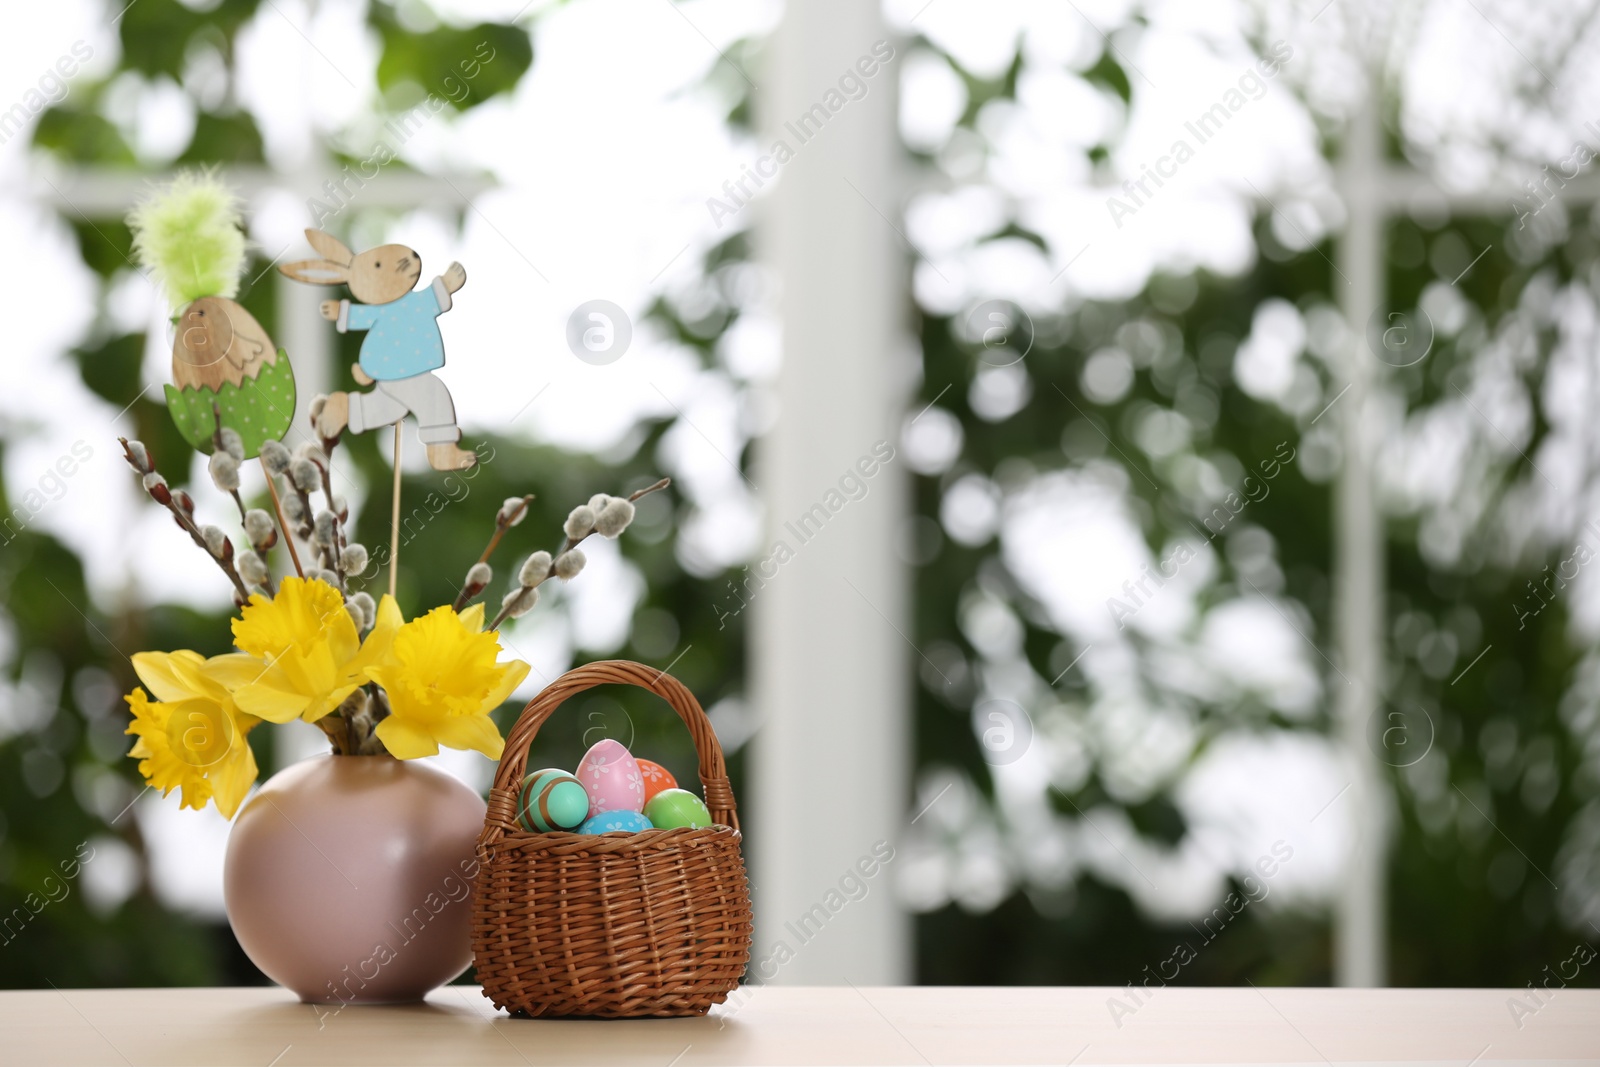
x=276, y=457
x=580, y=523
x=252, y=569
x=138, y=456
x=519, y=602
x=232, y=443
x=305, y=476
x=512, y=512
x=614, y=517
x=325, y=529
x=259, y=528
x=363, y=603
x=216, y=541
x=224, y=471
x=535, y=570
x=353, y=560
x=570, y=564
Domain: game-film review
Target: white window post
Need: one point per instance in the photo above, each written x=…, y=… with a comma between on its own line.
x=830, y=637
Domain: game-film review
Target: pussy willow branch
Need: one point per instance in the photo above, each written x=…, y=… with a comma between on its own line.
x=500, y=527
x=568, y=545
x=502, y=523
x=338, y=731
x=306, y=514
x=268, y=587
x=188, y=525
x=216, y=443
x=334, y=554
x=225, y=563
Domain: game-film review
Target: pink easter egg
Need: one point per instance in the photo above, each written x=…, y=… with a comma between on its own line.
x=610, y=775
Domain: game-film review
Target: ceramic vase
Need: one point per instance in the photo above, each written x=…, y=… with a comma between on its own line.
x=348, y=879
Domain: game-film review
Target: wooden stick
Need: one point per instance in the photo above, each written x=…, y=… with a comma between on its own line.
x=394, y=521
x=283, y=524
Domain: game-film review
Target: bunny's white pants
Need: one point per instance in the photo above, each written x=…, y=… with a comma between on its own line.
x=424, y=396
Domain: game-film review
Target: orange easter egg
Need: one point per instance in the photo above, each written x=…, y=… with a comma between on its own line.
x=656, y=778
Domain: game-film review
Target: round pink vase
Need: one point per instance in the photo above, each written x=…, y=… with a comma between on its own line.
x=348, y=879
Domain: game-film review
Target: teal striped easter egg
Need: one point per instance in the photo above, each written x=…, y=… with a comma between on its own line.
x=551, y=799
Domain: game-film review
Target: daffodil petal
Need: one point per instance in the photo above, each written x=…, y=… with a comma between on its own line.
x=515, y=672
x=442, y=679
x=322, y=669
x=195, y=793
x=309, y=645
x=162, y=672
x=389, y=616
x=383, y=674
x=344, y=640
x=232, y=778
x=470, y=732
x=234, y=670
x=404, y=740
x=268, y=702
x=379, y=644
x=317, y=709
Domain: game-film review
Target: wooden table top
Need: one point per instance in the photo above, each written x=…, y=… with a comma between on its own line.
x=267, y=1027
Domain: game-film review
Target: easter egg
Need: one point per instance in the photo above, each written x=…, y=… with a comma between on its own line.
x=677, y=807
x=607, y=821
x=551, y=799
x=611, y=778
x=656, y=778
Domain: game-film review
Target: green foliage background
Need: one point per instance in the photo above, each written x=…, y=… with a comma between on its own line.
x=1457, y=917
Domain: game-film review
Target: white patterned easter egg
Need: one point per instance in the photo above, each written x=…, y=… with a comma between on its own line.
x=610, y=775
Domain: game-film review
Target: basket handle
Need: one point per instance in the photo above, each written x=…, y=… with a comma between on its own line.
x=502, y=815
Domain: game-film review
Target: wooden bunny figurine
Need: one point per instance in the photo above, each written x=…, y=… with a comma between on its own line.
x=403, y=346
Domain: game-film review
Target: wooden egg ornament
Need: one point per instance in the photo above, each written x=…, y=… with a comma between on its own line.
x=609, y=821
x=224, y=362
x=551, y=800
x=656, y=778
x=610, y=775
x=677, y=807
x=190, y=237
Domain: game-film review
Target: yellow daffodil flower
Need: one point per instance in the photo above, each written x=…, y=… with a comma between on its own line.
x=303, y=653
x=194, y=738
x=443, y=679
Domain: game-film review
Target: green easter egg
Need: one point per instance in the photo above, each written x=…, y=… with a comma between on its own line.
x=676, y=807
x=551, y=800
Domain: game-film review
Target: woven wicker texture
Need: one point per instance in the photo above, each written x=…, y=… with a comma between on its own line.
x=619, y=924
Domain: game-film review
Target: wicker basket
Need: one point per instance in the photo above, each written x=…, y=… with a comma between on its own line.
x=618, y=924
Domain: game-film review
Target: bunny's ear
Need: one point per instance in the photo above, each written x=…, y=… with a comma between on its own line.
x=330, y=247
x=317, y=272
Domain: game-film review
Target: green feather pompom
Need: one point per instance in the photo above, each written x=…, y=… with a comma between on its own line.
x=188, y=236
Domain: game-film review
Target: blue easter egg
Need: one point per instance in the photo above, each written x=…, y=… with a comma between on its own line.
x=607, y=821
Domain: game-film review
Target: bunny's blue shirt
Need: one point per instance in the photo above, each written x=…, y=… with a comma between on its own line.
x=403, y=338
